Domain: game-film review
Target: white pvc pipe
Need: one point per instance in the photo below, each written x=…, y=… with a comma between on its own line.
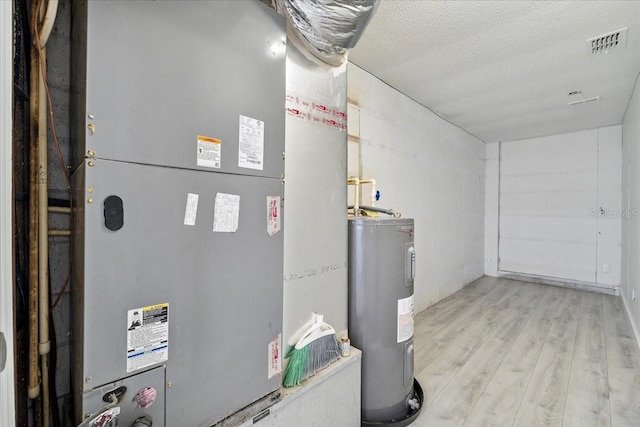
x=7, y=387
x=59, y=233
x=59, y=209
x=356, y=200
x=43, y=218
x=44, y=345
x=46, y=25
x=357, y=183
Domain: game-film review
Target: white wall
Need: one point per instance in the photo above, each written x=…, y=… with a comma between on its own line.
x=631, y=205
x=7, y=405
x=315, y=198
x=580, y=173
x=431, y=171
x=609, y=227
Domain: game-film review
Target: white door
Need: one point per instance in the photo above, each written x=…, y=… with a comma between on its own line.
x=548, y=194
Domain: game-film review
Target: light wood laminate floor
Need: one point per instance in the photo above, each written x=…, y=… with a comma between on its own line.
x=508, y=353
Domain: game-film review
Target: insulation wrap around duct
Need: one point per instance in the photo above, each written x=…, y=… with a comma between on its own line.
x=328, y=28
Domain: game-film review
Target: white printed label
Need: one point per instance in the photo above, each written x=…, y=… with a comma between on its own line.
x=226, y=213
x=209, y=152
x=191, y=209
x=405, y=318
x=275, y=357
x=147, y=336
x=251, y=143
x=273, y=215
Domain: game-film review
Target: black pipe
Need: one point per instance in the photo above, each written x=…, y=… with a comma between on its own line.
x=389, y=212
x=53, y=364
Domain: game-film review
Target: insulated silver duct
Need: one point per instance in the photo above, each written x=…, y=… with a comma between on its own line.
x=328, y=28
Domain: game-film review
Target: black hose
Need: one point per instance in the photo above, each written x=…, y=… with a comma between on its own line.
x=53, y=363
x=389, y=212
x=144, y=421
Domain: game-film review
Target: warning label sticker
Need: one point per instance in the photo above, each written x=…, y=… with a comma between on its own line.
x=273, y=215
x=209, y=152
x=275, y=357
x=405, y=318
x=147, y=336
x=251, y=143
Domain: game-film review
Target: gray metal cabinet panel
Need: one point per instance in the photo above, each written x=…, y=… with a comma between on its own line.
x=128, y=408
x=160, y=73
x=149, y=77
x=224, y=289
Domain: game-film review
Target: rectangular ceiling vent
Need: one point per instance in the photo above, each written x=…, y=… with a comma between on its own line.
x=607, y=42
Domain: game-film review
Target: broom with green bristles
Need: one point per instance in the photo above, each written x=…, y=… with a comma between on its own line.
x=317, y=348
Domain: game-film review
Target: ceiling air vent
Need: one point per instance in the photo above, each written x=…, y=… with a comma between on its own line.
x=607, y=42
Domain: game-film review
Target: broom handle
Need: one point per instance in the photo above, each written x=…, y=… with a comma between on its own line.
x=317, y=330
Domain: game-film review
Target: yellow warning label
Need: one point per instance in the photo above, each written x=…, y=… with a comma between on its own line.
x=209, y=154
x=207, y=139
x=155, y=307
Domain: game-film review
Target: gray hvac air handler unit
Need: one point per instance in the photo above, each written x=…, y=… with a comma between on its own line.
x=179, y=139
x=381, y=273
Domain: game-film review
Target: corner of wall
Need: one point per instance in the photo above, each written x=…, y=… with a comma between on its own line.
x=491, y=208
x=631, y=205
x=634, y=327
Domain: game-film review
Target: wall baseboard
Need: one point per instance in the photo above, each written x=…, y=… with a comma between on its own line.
x=627, y=311
x=614, y=290
x=571, y=284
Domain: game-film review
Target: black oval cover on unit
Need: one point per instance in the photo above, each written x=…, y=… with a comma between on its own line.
x=113, y=213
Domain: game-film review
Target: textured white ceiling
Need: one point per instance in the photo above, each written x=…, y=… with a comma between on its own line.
x=502, y=70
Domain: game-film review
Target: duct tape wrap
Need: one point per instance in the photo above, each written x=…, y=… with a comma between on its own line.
x=328, y=28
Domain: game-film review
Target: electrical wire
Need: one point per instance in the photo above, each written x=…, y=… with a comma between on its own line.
x=22, y=307
x=56, y=144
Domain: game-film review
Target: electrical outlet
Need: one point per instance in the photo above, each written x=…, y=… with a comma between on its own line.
x=606, y=268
